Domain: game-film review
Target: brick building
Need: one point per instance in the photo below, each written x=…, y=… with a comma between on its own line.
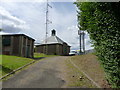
x=17, y=45
x=53, y=46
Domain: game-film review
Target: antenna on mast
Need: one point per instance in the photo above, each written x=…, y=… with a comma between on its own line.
x=47, y=22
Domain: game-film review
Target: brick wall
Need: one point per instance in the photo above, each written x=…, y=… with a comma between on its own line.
x=18, y=46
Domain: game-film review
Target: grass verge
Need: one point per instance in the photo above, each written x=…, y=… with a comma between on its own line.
x=76, y=78
x=91, y=66
x=10, y=63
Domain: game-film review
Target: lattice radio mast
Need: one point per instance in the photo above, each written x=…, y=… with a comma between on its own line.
x=47, y=22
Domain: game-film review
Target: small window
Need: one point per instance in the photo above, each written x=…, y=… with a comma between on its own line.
x=6, y=42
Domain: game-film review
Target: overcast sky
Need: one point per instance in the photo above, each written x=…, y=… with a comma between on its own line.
x=29, y=18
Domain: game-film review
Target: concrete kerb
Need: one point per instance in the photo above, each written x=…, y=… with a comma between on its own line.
x=16, y=70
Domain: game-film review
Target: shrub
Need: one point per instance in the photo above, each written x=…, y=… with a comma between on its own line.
x=102, y=22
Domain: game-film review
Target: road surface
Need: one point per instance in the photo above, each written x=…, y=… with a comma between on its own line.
x=47, y=73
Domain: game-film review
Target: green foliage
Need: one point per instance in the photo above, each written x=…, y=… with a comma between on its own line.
x=102, y=22
x=0, y=29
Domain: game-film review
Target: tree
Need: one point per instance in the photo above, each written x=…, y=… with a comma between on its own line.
x=0, y=29
x=102, y=22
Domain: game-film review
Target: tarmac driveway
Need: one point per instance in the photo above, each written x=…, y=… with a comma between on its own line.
x=43, y=74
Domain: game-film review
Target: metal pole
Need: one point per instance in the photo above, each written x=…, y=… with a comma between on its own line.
x=80, y=40
x=47, y=22
x=46, y=27
x=83, y=42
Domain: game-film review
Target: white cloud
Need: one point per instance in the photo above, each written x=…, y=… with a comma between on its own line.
x=23, y=0
x=6, y=15
x=11, y=23
x=72, y=37
x=29, y=18
x=38, y=0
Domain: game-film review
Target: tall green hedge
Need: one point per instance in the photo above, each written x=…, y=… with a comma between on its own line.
x=102, y=22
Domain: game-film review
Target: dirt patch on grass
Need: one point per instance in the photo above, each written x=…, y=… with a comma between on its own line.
x=91, y=66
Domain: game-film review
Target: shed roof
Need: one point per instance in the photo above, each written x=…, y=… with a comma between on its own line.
x=17, y=35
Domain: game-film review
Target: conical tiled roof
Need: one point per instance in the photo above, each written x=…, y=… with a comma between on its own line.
x=53, y=40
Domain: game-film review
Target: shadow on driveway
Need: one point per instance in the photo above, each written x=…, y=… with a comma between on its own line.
x=38, y=58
